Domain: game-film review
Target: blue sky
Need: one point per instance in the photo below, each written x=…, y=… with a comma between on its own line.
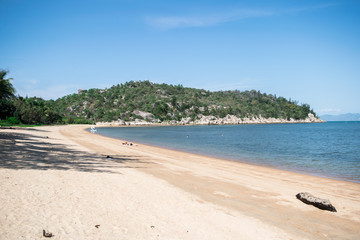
x=308, y=51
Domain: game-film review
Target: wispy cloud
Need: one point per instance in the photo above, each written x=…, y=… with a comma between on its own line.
x=172, y=22
x=296, y=10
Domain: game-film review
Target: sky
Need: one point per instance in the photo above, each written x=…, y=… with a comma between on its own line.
x=303, y=50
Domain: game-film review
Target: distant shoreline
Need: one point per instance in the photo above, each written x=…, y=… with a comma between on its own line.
x=342, y=117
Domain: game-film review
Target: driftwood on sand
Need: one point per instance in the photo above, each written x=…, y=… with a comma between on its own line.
x=323, y=204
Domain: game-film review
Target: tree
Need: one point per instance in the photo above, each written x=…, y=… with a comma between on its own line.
x=6, y=93
x=6, y=88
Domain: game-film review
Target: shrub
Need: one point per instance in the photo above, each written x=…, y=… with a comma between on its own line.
x=13, y=120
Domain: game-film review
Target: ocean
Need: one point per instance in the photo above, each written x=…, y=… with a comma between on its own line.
x=329, y=149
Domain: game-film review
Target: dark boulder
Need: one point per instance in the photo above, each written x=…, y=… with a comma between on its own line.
x=323, y=204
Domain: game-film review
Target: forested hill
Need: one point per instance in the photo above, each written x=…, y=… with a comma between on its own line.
x=161, y=102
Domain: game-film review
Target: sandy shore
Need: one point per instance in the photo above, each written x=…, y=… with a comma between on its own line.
x=59, y=179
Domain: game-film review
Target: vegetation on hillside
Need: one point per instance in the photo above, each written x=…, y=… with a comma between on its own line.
x=169, y=102
x=142, y=100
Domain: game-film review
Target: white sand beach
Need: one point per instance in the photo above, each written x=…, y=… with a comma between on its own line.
x=58, y=178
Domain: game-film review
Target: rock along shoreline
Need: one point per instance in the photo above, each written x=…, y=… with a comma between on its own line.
x=212, y=120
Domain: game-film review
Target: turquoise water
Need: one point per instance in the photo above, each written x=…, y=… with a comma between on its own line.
x=323, y=149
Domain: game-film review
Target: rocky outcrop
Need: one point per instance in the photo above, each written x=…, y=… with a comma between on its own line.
x=323, y=204
x=209, y=120
x=136, y=122
x=144, y=115
x=233, y=120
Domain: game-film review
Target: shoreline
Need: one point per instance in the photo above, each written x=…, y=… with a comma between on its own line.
x=199, y=155
x=222, y=158
x=146, y=192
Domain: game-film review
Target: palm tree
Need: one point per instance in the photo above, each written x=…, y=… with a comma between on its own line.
x=6, y=88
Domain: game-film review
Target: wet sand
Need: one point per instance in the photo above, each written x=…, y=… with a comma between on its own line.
x=59, y=179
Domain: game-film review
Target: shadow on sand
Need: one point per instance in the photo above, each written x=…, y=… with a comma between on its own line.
x=25, y=151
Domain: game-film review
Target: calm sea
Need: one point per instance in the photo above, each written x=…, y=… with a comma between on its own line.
x=329, y=149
